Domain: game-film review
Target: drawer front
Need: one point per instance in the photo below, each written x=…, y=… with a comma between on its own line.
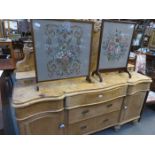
x=139, y=87
x=40, y=107
x=82, y=113
x=94, y=124
x=95, y=97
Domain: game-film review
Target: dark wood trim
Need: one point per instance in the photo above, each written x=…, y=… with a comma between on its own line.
x=35, y=63
x=91, y=53
x=150, y=40
x=118, y=21
x=144, y=104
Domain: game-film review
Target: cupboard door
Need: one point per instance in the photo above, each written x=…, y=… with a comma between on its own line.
x=132, y=106
x=43, y=124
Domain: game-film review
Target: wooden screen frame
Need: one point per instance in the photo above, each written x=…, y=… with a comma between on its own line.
x=122, y=69
x=90, y=55
x=151, y=39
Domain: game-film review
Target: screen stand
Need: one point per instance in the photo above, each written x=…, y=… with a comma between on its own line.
x=37, y=88
x=98, y=74
x=88, y=79
x=125, y=70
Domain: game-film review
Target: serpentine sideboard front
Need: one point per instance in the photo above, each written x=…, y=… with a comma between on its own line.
x=74, y=106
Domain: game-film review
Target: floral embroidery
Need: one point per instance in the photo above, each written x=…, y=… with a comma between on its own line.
x=115, y=45
x=63, y=48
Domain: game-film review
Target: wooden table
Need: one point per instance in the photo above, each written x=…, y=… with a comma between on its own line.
x=7, y=64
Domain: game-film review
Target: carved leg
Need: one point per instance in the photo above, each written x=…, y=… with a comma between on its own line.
x=93, y=73
x=98, y=74
x=117, y=127
x=129, y=73
x=100, y=77
x=88, y=79
x=134, y=122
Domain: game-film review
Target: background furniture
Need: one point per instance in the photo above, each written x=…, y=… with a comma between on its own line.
x=73, y=106
x=27, y=63
x=1, y=119
x=150, y=68
x=7, y=43
x=10, y=29
x=151, y=98
x=9, y=63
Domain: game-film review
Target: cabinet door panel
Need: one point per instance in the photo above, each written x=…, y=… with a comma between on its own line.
x=132, y=106
x=43, y=124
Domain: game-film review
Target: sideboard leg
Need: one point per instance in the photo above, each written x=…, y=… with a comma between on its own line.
x=134, y=122
x=117, y=127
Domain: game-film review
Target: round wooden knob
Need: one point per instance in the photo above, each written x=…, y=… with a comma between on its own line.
x=61, y=126
x=125, y=107
x=100, y=96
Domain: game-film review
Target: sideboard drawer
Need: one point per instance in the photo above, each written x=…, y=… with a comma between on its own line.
x=82, y=113
x=39, y=107
x=94, y=97
x=94, y=124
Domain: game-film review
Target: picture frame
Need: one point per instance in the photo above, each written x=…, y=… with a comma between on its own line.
x=63, y=48
x=152, y=40
x=114, y=46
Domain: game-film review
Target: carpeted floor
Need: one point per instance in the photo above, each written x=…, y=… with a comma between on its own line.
x=145, y=127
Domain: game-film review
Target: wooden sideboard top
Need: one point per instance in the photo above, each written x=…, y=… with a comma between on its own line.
x=138, y=78
x=25, y=92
